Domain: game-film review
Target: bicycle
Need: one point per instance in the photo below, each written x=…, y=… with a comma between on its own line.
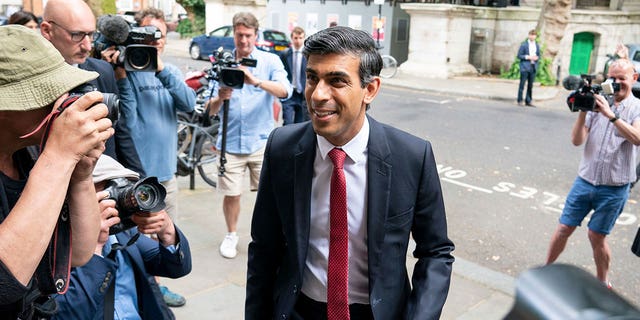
x=389, y=66
x=197, y=136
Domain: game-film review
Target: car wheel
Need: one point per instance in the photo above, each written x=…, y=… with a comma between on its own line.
x=194, y=52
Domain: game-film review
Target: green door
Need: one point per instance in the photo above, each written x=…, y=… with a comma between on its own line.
x=581, y=53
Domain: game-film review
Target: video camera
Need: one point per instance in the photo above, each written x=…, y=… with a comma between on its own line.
x=224, y=69
x=583, y=96
x=146, y=195
x=132, y=43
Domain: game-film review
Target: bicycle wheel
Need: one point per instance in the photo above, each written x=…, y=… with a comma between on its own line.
x=208, y=157
x=184, y=133
x=389, y=66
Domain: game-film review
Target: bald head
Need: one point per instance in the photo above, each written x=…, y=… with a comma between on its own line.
x=64, y=18
x=68, y=9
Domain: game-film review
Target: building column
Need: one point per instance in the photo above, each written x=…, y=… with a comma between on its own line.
x=439, y=40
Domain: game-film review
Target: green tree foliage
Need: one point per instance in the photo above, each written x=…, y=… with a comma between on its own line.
x=544, y=75
x=108, y=6
x=196, y=15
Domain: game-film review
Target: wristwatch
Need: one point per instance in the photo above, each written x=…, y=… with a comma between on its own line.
x=615, y=118
x=257, y=85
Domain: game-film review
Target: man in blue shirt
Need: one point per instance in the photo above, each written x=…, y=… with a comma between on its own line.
x=149, y=103
x=249, y=122
x=136, y=294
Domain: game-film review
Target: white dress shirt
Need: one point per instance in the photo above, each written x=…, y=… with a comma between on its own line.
x=532, y=48
x=314, y=283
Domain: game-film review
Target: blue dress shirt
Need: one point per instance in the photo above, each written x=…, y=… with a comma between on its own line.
x=250, y=117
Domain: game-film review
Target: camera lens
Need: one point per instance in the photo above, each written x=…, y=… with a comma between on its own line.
x=139, y=59
x=146, y=195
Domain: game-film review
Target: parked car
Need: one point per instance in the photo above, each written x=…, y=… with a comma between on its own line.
x=203, y=45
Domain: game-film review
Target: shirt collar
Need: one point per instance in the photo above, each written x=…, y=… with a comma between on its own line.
x=355, y=148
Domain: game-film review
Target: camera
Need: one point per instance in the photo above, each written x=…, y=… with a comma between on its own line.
x=583, y=98
x=111, y=100
x=131, y=41
x=224, y=69
x=146, y=195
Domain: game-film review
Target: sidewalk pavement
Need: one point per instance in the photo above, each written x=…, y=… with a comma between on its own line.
x=215, y=289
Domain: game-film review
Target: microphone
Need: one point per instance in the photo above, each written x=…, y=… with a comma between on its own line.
x=572, y=82
x=114, y=28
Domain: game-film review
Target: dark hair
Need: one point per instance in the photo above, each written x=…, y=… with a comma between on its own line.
x=246, y=19
x=344, y=40
x=22, y=17
x=153, y=13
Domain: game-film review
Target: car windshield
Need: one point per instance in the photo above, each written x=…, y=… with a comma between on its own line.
x=275, y=36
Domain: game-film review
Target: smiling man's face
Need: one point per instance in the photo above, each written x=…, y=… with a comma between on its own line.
x=336, y=100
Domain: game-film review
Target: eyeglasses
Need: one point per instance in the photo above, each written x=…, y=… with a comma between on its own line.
x=77, y=36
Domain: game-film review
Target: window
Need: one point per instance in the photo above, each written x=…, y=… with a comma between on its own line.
x=592, y=3
x=402, y=31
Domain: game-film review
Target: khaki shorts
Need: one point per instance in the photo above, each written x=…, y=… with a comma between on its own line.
x=230, y=184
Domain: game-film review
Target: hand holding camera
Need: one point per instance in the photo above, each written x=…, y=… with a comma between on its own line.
x=108, y=218
x=79, y=133
x=157, y=223
x=131, y=43
x=585, y=94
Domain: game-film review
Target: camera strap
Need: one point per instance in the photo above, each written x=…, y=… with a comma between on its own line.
x=109, y=297
x=48, y=120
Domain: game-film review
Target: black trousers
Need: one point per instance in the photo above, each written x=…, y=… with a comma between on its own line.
x=309, y=309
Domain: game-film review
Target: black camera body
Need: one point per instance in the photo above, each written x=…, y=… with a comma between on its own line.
x=111, y=100
x=225, y=69
x=146, y=195
x=135, y=53
x=583, y=98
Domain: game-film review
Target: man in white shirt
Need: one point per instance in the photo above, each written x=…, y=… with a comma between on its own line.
x=339, y=198
x=529, y=53
x=294, y=109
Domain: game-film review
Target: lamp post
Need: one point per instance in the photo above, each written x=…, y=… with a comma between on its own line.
x=379, y=3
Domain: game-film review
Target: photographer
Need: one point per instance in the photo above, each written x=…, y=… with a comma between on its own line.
x=249, y=122
x=150, y=105
x=33, y=86
x=607, y=168
x=70, y=26
x=136, y=294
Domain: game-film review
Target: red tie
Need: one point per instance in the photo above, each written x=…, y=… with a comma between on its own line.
x=338, y=273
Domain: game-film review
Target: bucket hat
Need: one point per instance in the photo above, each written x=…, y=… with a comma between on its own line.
x=33, y=74
x=108, y=168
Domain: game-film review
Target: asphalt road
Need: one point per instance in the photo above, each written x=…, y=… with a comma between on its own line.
x=505, y=172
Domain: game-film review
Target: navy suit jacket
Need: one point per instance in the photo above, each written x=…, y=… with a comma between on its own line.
x=403, y=197
x=120, y=146
x=88, y=285
x=287, y=61
x=527, y=65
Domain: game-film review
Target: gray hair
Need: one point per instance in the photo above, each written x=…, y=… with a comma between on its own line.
x=344, y=40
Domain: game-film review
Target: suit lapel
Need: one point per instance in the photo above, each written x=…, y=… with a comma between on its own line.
x=379, y=180
x=304, y=155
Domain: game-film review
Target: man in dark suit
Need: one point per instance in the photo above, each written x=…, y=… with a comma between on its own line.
x=69, y=26
x=294, y=109
x=314, y=255
x=529, y=53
